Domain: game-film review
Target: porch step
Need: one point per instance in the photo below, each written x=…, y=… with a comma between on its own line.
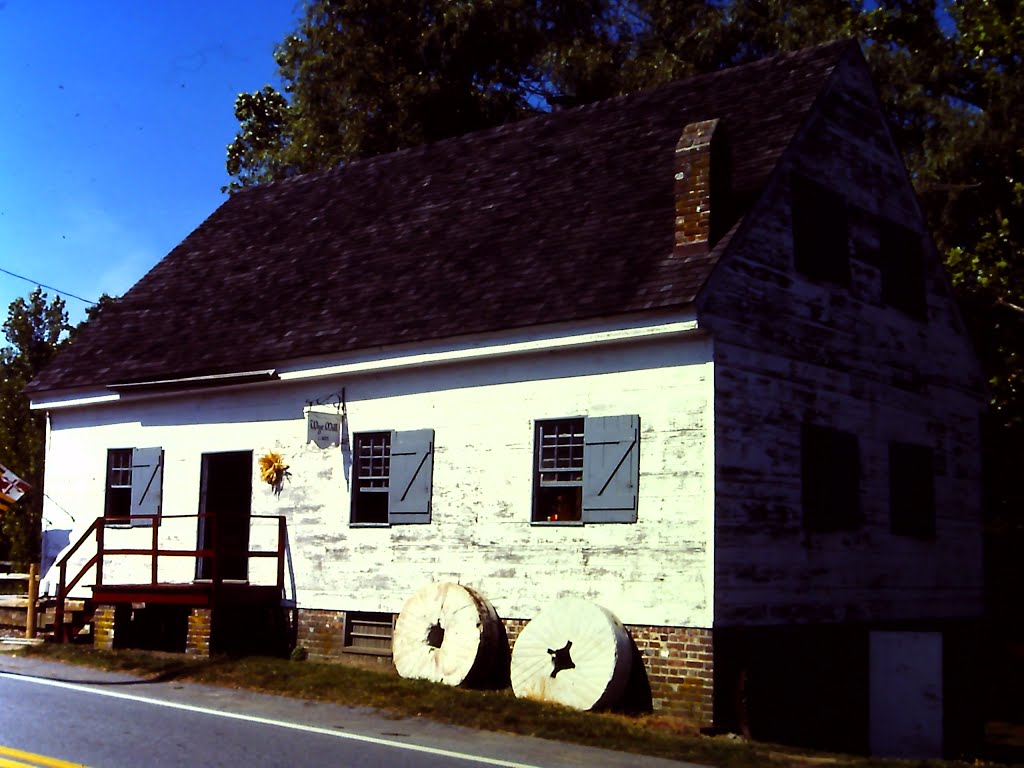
x=14, y=613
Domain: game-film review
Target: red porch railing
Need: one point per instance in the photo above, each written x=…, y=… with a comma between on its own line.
x=155, y=552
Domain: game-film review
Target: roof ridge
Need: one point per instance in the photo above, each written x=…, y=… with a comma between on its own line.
x=562, y=114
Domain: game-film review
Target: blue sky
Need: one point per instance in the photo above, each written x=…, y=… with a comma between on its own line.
x=113, y=130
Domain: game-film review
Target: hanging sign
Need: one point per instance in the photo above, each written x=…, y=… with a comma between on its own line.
x=323, y=428
x=12, y=486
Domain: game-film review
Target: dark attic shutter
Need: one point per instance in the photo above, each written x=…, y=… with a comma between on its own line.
x=412, y=471
x=611, y=469
x=147, y=483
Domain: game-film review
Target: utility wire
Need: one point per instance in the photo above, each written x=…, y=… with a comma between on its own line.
x=49, y=287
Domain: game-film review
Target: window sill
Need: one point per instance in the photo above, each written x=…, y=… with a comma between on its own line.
x=557, y=523
x=369, y=525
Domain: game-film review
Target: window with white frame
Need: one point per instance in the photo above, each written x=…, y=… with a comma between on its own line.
x=586, y=469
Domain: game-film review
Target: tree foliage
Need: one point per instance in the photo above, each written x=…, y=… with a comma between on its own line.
x=362, y=77
x=35, y=329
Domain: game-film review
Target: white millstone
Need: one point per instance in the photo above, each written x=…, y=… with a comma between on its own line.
x=600, y=651
x=469, y=625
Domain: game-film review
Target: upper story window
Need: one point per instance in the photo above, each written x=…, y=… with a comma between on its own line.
x=586, y=469
x=392, y=477
x=911, y=490
x=829, y=479
x=901, y=260
x=820, y=239
x=134, y=486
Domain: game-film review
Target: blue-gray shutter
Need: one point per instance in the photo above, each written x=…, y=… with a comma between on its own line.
x=147, y=483
x=611, y=468
x=411, y=476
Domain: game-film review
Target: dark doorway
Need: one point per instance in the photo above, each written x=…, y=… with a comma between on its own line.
x=225, y=497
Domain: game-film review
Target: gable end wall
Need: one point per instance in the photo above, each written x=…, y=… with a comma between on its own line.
x=789, y=349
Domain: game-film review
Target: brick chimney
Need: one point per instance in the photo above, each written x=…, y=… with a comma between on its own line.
x=698, y=222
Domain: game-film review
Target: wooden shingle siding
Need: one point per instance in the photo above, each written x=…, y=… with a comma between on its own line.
x=791, y=349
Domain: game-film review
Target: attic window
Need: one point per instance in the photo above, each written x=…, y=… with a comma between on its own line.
x=820, y=243
x=829, y=479
x=902, y=265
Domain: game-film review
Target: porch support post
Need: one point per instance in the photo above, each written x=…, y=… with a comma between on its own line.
x=199, y=625
x=33, y=597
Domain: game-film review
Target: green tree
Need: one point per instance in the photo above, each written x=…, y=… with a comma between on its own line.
x=366, y=77
x=35, y=330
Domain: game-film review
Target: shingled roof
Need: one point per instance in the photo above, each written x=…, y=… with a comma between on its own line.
x=558, y=218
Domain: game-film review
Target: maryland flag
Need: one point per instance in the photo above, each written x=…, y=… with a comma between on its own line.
x=12, y=488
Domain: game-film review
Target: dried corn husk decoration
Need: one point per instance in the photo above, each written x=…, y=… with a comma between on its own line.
x=273, y=470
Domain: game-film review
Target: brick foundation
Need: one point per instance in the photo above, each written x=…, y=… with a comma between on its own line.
x=678, y=660
x=200, y=623
x=322, y=634
x=103, y=627
x=680, y=669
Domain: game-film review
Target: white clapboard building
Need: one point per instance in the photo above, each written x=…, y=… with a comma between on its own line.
x=687, y=354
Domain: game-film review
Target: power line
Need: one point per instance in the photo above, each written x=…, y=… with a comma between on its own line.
x=49, y=287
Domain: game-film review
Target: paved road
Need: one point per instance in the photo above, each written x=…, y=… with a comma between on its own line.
x=110, y=720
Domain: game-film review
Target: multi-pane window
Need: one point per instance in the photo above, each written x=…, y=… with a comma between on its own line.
x=372, y=460
x=392, y=477
x=559, y=471
x=911, y=490
x=119, y=483
x=134, y=485
x=829, y=479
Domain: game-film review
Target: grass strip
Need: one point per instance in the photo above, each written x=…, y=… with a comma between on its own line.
x=655, y=735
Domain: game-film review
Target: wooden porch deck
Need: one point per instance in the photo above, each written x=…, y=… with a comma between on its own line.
x=197, y=594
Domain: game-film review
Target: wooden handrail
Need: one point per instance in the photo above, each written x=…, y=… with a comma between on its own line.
x=100, y=524
x=58, y=618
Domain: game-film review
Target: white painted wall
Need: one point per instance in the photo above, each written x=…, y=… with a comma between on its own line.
x=657, y=571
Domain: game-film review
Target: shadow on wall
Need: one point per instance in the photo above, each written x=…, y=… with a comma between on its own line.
x=54, y=542
x=636, y=698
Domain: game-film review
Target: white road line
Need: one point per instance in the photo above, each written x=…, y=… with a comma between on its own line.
x=267, y=721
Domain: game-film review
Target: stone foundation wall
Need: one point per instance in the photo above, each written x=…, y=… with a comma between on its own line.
x=678, y=660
